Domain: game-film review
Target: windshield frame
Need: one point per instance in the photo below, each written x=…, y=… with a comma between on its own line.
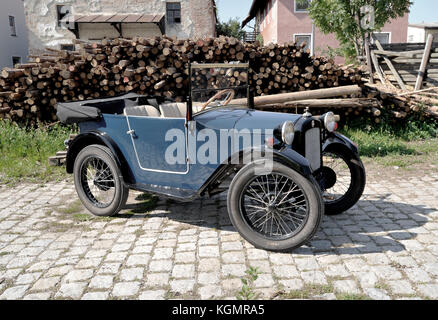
x=240, y=65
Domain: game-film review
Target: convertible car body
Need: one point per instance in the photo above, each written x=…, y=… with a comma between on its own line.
x=188, y=150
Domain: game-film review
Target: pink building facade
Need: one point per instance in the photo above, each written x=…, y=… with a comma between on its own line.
x=282, y=21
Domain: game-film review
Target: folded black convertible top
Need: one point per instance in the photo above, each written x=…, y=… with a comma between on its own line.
x=81, y=111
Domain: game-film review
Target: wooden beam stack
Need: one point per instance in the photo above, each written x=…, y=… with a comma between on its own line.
x=159, y=66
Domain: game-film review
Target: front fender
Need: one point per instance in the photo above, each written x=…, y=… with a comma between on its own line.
x=98, y=137
x=338, y=141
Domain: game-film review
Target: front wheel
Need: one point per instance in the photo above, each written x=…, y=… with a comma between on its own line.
x=99, y=182
x=280, y=210
x=342, y=179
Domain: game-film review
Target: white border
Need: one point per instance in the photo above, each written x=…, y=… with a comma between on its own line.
x=311, y=40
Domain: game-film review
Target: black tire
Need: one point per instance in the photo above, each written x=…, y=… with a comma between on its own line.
x=237, y=207
x=100, y=157
x=356, y=187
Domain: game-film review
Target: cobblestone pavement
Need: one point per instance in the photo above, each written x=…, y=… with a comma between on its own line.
x=386, y=247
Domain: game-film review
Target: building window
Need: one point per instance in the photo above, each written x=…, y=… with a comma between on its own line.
x=304, y=38
x=68, y=47
x=12, y=26
x=62, y=12
x=383, y=37
x=173, y=12
x=302, y=6
x=15, y=61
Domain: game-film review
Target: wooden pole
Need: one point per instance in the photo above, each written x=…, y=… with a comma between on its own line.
x=304, y=95
x=377, y=67
x=391, y=67
x=368, y=56
x=424, y=63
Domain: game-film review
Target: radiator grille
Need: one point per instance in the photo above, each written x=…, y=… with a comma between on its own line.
x=313, y=148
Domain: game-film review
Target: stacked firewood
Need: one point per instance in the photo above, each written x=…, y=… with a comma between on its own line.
x=158, y=66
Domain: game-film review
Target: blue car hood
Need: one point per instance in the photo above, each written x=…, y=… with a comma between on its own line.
x=242, y=118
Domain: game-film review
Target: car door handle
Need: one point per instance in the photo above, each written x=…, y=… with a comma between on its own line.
x=131, y=133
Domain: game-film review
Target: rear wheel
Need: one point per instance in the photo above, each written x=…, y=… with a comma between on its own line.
x=99, y=182
x=343, y=181
x=278, y=211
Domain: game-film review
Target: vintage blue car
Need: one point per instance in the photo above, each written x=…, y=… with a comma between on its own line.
x=282, y=171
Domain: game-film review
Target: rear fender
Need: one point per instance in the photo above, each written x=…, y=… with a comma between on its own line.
x=101, y=138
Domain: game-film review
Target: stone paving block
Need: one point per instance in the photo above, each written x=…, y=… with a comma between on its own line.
x=79, y=275
x=152, y=295
x=346, y=286
x=160, y=265
x=208, y=251
x=183, y=271
x=237, y=270
x=138, y=260
x=377, y=294
x=157, y=279
x=101, y=282
x=182, y=286
x=14, y=293
x=71, y=290
x=233, y=257
x=429, y=290
x=95, y=296
x=125, y=289
x=45, y=284
x=209, y=292
x=401, y=287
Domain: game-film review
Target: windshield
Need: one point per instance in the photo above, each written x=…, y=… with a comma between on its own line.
x=218, y=85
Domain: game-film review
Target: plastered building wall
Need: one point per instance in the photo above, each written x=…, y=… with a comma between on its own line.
x=198, y=19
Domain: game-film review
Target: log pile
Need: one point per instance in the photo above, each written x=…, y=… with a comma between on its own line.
x=30, y=92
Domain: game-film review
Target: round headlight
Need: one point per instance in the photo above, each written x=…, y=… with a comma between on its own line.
x=288, y=132
x=330, y=121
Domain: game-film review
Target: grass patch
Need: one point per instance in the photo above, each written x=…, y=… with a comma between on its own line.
x=82, y=217
x=24, y=152
x=396, y=144
x=4, y=253
x=74, y=207
x=352, y=296
x=247, y=292
x=309, y=291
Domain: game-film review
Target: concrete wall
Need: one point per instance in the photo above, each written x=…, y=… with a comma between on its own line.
x=420, y=34
x=290, y=23
x=198, y=19
x=12, y=46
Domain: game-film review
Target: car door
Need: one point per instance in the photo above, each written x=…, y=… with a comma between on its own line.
x=160, y=144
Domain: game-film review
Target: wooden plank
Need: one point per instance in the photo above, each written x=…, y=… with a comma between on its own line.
x=417, y=91
x=103, y=18
x=368, y=57
x=424, y=63
x=146, y=18
x=132, y=18
x=117, y=18
x=377, y=67
x=391, y=67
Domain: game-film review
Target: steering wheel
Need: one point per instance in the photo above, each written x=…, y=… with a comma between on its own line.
x=217, y=95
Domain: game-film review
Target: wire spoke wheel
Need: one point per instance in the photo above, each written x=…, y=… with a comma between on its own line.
x=274, y=206
x=344, y=179
x=97, y=181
